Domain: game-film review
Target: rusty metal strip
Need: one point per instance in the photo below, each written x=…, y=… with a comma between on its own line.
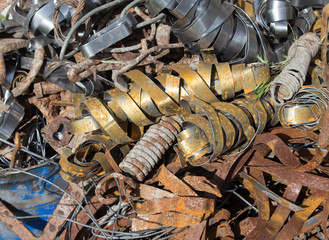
x=195, y=206
x=296, y=222
x=149, y=192
x=195, y=231
x=215, y=128
x=199, y=87
x=261, y=200
x=271, y=194
x=226, y=80
x=278, y=218
x=163, y=101
x=289, y=173
x=234, y=112
x=84, y=125
x=128, y=105
x=281, y=213
x=201, y=183
x=171, y=182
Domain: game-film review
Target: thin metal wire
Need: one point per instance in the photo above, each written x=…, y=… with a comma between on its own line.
x=318, y=232
x=92, y=216
x=47, y=181
x=94, y=226
x=130, y=5
x=143, y=234
x=24, y=149
x=151, y=21
x=159, y=236
x=120, y=204
x=76, y=211
x=239, y=196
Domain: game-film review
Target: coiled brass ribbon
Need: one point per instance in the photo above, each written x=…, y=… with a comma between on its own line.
x=306, y=110
x=213, y=129
x=89, y=159
x=149, y=99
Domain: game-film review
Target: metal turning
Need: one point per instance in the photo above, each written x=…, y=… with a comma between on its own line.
x=306, y=110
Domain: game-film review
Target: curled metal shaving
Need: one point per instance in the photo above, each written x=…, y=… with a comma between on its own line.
x=147, y=99
x=306, y=110
x=88, y=161
x=212, y=130
x=303, y=24
x=204, y=24
x=275, y=16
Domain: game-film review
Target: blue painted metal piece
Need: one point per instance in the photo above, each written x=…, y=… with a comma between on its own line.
x=27, y=195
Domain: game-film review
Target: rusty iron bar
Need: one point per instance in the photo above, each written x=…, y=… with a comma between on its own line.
x=18, y=144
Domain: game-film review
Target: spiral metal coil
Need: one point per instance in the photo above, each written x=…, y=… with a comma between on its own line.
x=275, y=16
x=268, y=18
x=306, y=110
x=210, y=130
x=142, y=159
x=39, y=17
x=202, y=24
x=149, y=99
x=76, y=167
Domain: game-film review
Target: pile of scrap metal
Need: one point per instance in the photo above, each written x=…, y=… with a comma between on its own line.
x=164, y=119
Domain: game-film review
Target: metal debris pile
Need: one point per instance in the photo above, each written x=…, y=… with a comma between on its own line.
x=164, y=119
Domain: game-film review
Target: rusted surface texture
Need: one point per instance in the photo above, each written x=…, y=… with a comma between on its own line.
x=59, y=132
x=191, y=126
x=36, y=65
x=151, y=147
x=10, y=44
x=45, y=88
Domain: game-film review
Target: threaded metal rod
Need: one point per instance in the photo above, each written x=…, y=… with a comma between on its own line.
x=141, y=160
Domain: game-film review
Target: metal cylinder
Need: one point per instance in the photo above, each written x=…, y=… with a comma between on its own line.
x=142, y=159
